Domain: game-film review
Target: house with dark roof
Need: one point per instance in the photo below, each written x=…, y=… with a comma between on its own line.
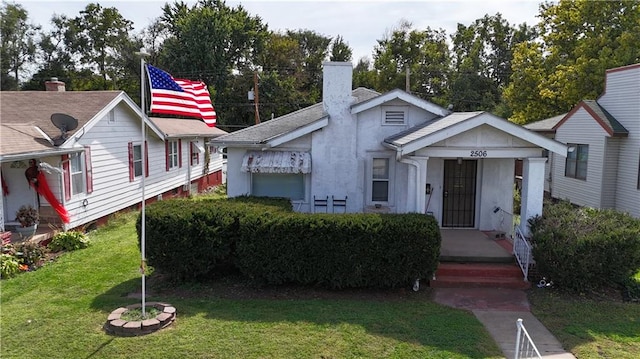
x=363, y=151
x=602, y=168
x=93, y=163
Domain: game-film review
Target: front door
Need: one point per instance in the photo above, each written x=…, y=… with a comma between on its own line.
x=459, y=193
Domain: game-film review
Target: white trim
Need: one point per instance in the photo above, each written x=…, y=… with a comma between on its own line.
x=391, y=180
x=488, y=119
x=492, y=152
x=399, y=95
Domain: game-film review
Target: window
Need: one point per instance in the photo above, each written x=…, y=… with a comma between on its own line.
x=394, y=115
x=278, y=185
x=137, y=160
x=576, y=165
x=173, y=151
x=77, y=175
x=380, y=180
x=195, y=153
x=173, y=154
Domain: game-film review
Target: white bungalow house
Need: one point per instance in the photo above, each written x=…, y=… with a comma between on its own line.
x=391, y=153
x=602, y=169
x=96, y=169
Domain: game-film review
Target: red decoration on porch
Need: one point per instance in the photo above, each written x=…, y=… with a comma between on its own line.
x=42, y=187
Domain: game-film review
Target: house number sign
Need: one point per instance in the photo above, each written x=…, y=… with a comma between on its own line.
x=478, y=153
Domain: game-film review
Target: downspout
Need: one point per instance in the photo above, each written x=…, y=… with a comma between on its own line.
x=189, y=168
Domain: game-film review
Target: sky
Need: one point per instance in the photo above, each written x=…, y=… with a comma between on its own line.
x=359, y=22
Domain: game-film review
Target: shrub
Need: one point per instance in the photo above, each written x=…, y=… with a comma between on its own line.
x=339, y=251
x=68, y=241
x=9, y=265
x=583, y=249
x=30, y=254
x=266, y=241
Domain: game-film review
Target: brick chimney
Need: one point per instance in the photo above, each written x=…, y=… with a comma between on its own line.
x=54, y=85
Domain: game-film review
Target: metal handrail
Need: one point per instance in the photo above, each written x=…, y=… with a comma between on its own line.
x=525, y=347
x=522, y=251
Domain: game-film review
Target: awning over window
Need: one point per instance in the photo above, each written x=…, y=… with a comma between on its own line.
x=276, y=162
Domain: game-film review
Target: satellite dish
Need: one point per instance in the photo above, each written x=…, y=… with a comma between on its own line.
x=64, y=123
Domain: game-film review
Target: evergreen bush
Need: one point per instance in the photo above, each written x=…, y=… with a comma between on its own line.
x=583, y=249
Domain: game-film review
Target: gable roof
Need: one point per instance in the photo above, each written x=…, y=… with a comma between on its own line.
x=442, y=128
x=182, y=127
x=288, y=127
x=398, y=94
x=26, y=118
x=547, y=125
x=602, y=117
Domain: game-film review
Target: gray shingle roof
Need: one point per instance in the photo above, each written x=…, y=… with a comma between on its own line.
x=265, y=131
x=182, y=127
x=546, y=125
x=611, y=124
x=21, y=111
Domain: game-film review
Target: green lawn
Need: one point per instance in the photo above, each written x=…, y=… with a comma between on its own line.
x=590, y=328
x=58, y=312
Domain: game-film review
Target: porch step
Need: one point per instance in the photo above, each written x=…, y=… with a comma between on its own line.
x=478, y=275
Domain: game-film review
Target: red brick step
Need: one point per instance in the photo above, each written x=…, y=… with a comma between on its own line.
x=478, y=275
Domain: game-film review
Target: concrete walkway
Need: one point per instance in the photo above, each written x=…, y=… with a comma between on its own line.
x=498, y=310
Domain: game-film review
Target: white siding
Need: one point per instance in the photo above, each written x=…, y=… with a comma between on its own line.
x=621, y=100
x=112, y=190
x=581, y=128
x=610, y=172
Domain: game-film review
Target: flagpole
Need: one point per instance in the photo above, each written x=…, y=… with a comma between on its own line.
x=143, y=259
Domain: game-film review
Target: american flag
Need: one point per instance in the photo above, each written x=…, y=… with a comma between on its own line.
x=180, y=97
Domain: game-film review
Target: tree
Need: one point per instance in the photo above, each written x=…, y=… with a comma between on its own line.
x=100, y=37
x=364, y=75
x=578, y=41
x=314, y=49
x=424, y=53
x=53, y=57
x=340, y=50
x=17, y=45
x=482, y=58
x=210, y=40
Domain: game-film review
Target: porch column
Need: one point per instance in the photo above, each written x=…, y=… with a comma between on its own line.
x=532, y=191
x=420, y=164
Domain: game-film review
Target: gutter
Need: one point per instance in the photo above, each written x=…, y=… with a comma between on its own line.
x=27, y=156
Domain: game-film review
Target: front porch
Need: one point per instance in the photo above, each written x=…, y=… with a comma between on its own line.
x=45, y=231
x=470, y=258
x=472, y=245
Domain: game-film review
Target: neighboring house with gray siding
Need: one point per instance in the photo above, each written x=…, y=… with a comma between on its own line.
x=389, y=153
x=98, y=168
x=602, y=169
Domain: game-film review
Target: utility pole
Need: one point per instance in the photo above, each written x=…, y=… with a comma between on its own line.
x=255, y=99
x=406, y=80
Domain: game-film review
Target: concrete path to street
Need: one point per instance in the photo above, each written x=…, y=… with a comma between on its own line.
x=498, y=310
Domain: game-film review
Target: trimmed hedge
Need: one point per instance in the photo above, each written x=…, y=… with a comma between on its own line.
x=582, y=249
x=188, y=239
x=338, y=251
x=266, y=241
